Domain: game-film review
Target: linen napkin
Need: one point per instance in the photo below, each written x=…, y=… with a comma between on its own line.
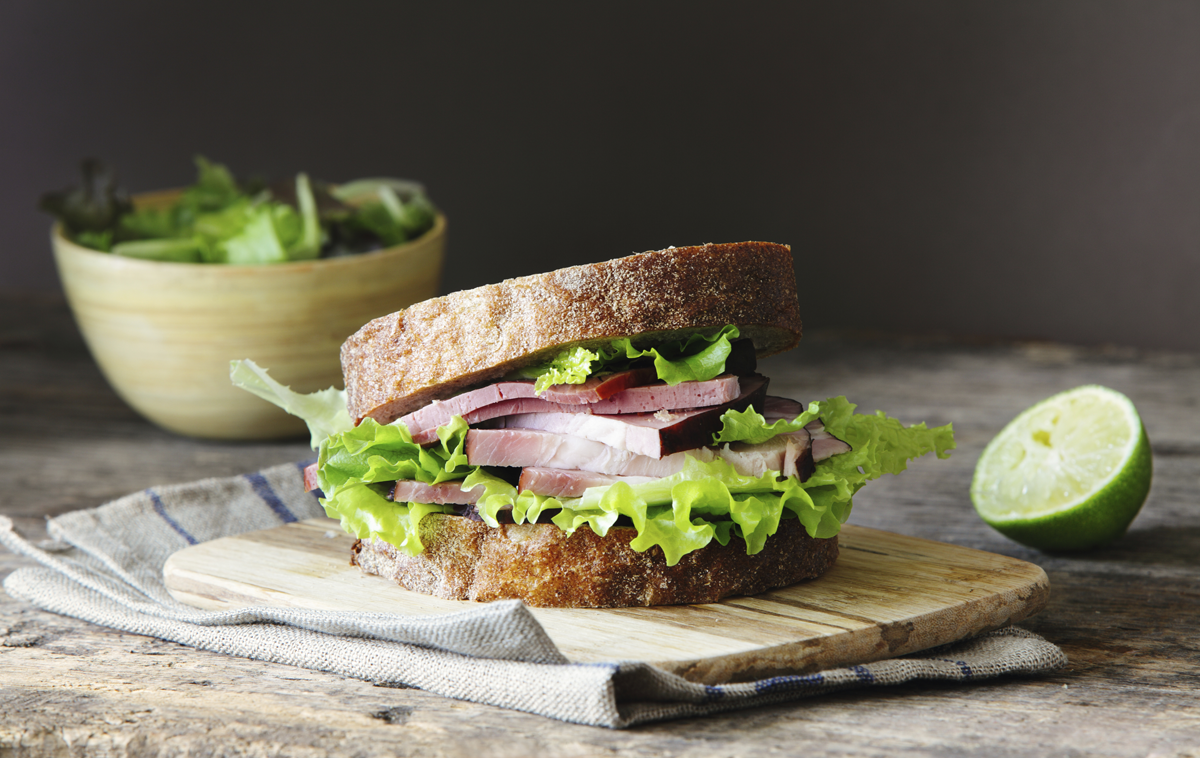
x=105, y=566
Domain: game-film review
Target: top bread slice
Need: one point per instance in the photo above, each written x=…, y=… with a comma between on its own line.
x=440, y=347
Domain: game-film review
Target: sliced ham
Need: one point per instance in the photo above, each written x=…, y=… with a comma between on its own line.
x=446, y=493
x=560, y=483
x=497, y=410
x=528, y=447
x=593, y=390
x=658, y=397
x=507, y=398
x=824, y=444
x=603, y=394
x=651, y=434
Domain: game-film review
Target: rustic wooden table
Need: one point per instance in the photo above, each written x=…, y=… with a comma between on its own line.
x=1127, y=616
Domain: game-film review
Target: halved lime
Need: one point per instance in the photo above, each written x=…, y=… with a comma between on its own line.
x=1070, y=473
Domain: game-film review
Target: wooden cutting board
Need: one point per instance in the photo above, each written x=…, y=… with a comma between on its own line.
x=887, y=595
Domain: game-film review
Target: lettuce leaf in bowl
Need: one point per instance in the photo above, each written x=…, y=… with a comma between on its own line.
x=219, y=220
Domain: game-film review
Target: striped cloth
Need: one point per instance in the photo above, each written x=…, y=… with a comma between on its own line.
x=106, y=563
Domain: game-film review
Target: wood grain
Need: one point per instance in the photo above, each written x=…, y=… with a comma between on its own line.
x=1125, y=615
x=887, y=595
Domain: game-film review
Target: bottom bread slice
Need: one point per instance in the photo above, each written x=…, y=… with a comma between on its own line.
x=538, y=563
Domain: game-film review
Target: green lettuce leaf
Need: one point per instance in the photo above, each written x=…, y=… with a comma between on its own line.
x=393, y=211
x=101, y=241
x=356, y=468
x=881, y=444
x=572, y=366
x=215, y=187
x=289, y=227
x=357, y=465
x=374, y=453
x=696, y=358
x=153, y=223
x=255, y=243
x=417, y=215
x=360, y=191
x=885, y=440
x=308, y=244
x=324, y=411
x=679, y=513
x=365, y=512
x=177, y=250
x=751, y=427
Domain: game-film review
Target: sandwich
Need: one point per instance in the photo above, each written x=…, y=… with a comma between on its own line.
x=596, y=436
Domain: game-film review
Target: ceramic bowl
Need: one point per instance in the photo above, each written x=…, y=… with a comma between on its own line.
x=163, y=333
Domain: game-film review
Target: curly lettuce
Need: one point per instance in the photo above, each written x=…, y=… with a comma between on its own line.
x=679, y=513
x=751, y=427
x=356, y=469
x=880, y=443
x=324, y=411
x=696, y=358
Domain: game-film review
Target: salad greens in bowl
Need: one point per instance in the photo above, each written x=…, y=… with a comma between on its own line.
x=305, y=265
x=219, y=220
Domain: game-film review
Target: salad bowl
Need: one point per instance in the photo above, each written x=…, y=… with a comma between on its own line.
x=164, y=333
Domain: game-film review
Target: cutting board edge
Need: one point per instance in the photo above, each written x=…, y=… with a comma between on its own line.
x=884, y=640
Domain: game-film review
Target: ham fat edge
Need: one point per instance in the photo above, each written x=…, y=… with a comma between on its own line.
x=683, y=462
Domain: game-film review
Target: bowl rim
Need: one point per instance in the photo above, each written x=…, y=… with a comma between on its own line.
x=58, y=237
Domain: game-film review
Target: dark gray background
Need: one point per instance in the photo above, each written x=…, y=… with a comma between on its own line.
x=1012, y=169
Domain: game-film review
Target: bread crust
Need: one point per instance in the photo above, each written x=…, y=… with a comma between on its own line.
x=437, y=348
x=540, y=564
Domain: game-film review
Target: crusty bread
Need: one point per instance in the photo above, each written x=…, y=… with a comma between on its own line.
x=439, y=347
x=540, y=564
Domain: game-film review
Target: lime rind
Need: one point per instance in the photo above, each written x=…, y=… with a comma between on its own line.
x=1068, y=473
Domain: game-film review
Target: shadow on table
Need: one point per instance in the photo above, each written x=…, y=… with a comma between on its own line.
x=1163, y=546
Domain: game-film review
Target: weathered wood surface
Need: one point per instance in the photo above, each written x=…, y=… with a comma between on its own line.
x=888, y=595
x=1127, y=616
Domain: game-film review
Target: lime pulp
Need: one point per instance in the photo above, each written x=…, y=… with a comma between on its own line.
x=1069, y=473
